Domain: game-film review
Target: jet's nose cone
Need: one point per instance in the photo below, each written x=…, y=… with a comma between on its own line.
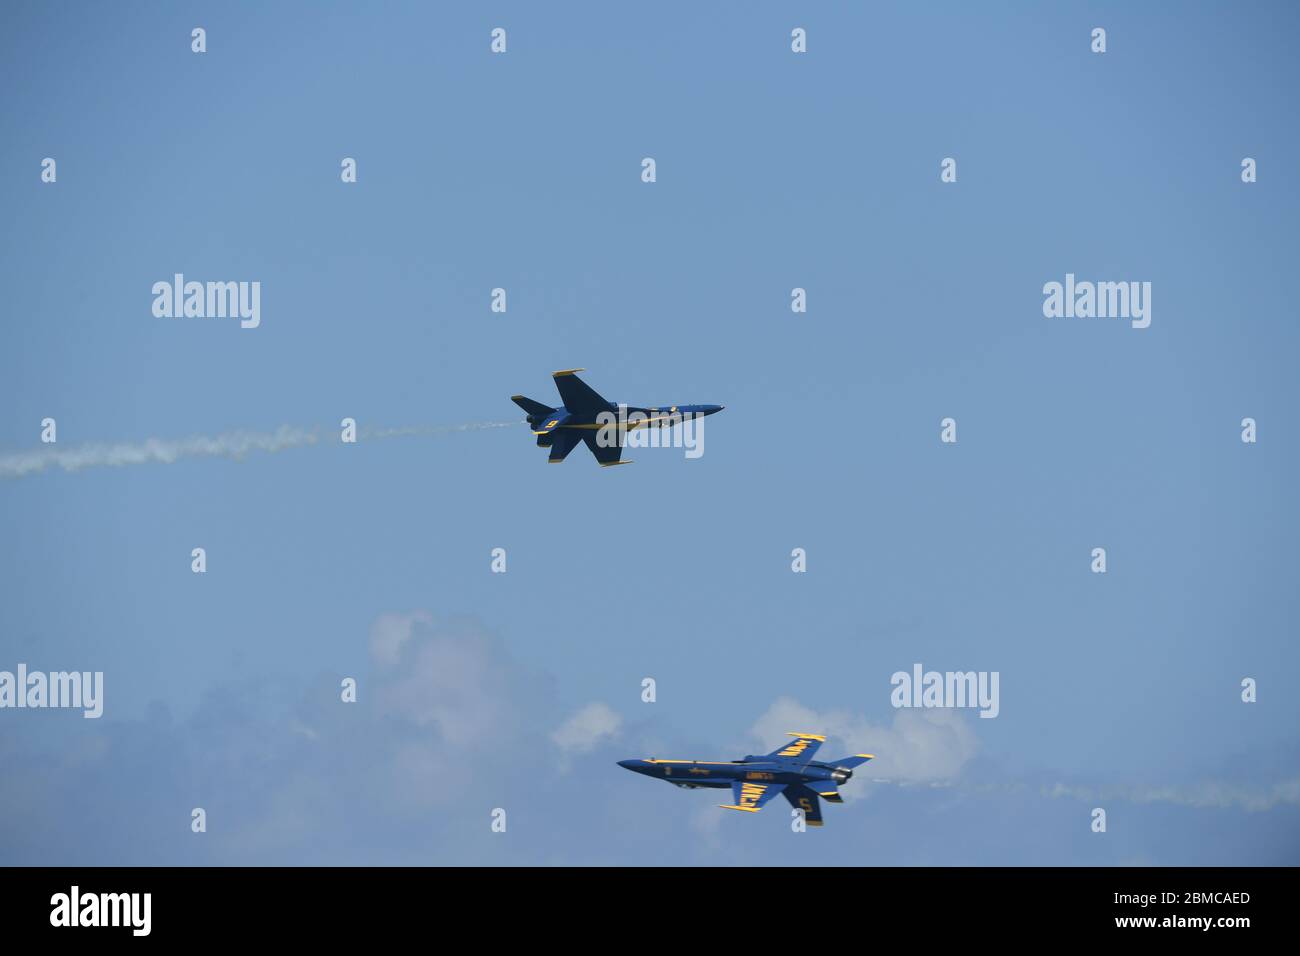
x=713, y=409
x=628, y=764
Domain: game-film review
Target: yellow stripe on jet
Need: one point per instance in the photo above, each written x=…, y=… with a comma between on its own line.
x=626, y=426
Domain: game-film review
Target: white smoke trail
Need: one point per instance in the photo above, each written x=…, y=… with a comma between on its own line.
x=1209, y=793
x=235, y=445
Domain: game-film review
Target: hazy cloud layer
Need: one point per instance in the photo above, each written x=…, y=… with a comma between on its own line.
x=448, y=727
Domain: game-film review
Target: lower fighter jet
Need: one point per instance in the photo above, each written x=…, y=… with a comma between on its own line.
x=754, y=780
x=586, y=416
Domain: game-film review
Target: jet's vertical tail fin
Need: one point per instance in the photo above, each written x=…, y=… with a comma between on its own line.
x=606, y=454
x=809, y=801
x=563, y=443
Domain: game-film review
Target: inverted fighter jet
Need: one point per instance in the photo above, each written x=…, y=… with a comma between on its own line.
x=603, y=425
x=789, y=770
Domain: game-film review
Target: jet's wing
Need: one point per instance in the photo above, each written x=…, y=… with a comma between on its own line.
x=803, y=746
x=605, y=454
x=802, y=798
x=564, y=442
x=579, y=397
x=751, y=796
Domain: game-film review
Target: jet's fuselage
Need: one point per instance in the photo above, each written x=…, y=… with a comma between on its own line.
x=625, y=417
x=789, y=772
x=706, y=773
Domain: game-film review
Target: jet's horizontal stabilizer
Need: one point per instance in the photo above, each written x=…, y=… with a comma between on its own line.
x=853, y=761
x=531, y=408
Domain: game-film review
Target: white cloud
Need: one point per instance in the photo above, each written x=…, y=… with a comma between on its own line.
x=391, y=631
x=921, y=746
x=585, y=729
x=440, y=677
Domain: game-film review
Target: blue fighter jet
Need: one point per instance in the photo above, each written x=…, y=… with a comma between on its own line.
x=789, y=770
x=586, y=416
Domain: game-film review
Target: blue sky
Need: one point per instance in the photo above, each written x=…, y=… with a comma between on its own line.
x=775, y=171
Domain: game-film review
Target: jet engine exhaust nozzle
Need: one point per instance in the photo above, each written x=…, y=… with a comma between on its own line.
x=840, y=775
